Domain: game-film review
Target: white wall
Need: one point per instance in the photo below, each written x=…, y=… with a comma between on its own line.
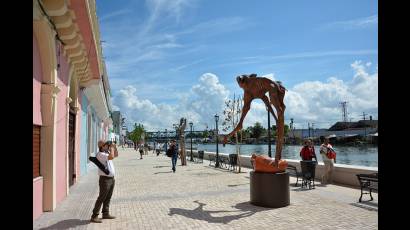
x=342, y=174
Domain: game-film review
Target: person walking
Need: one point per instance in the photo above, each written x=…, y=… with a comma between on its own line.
x=141, y=150
x=114, y=148
x=174, y=150
x=329, y=158
x=106, y=183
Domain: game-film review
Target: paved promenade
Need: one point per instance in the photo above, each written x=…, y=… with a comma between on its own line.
x=148, y=195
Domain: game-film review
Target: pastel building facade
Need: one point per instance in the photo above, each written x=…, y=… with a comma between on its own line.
x=71, y=108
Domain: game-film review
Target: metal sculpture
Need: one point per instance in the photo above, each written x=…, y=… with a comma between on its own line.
x=257, y=87
x=181, y=133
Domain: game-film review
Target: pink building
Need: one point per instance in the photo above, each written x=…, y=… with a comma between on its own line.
x=66, y=62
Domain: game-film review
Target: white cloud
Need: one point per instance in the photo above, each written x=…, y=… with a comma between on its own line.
x=207, y=97
x=187, y=65
x=358, y=23
x=166, y=7
x=309, y=101
x=199, y=105
x=217, y=26
x=318, y=102
x=115, y=14
x=302, y=55
x=270, y=76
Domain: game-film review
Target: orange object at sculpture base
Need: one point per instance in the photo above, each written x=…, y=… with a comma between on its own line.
x=267, y=164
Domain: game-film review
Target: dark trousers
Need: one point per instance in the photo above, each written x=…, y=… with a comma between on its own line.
x=174, y=161
x=106, y=189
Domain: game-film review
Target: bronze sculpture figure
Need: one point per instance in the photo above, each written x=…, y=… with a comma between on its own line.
x=257, y=87
x=181, y=134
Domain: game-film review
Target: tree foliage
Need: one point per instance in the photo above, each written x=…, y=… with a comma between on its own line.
x=138, y=133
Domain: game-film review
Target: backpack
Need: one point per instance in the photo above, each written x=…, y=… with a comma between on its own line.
x=331, y=154
x=169, y=152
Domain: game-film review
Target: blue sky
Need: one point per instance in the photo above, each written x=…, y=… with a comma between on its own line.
x=157, y=51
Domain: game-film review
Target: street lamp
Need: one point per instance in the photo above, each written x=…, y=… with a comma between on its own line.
x=192, y=158
x=166, y=140
x=217, y=152
x=269, y=142
x=176, y=131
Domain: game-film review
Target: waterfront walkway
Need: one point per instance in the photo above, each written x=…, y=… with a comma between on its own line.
x=148, y=195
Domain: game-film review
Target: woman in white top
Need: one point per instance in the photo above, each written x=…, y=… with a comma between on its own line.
x=328, y=162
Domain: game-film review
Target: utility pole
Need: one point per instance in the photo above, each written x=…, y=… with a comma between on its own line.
x=364, y=119
x=269, y=143
x=313, y=130
x=344, y=110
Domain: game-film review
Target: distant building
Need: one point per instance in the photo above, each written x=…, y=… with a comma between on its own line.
x=117, y=126
x=354, y=125
x=339, y=129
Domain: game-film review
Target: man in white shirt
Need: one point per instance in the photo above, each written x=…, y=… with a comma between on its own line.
x=106, y=182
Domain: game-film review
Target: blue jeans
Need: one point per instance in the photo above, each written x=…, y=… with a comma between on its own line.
x=174, y=161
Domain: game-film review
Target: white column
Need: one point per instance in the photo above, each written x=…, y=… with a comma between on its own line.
x=48, y=144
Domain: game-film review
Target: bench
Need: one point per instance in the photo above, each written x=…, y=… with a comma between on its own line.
x=200, y=157
x=368, y=182
x=224, y=161
x=233, y=159
x=292, y=170
x=211, y=159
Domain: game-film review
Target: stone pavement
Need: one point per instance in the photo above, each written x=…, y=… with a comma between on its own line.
x=148, y=195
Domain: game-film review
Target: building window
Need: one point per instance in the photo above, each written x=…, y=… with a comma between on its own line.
x=36, y=150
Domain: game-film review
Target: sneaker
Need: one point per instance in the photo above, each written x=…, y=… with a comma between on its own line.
x=95, y=220
x=108, y=216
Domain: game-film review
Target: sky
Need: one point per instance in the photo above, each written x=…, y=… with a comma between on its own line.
x=168, y=59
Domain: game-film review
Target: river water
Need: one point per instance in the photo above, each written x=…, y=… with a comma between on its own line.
x=350, y=155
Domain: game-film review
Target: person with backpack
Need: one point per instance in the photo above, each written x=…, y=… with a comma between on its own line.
x=173, y=153
x=106, y=182
x=329, y=158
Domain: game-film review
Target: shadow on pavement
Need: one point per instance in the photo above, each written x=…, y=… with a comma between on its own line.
x=321, y=185
x=163, y=172
x=234, y=185
x=199, y=213
x=368, y=205
x=67, y=224
x=161, y=166
x=300, y=189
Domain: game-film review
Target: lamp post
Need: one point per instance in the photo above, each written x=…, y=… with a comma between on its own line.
x=269, y=142
x=192, y=158
x=217, y=152
x=166, y=140
x=176, y=132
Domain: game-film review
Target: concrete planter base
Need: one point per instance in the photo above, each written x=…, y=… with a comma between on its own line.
x=269, y=189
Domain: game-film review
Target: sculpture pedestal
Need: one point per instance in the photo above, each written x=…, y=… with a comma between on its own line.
x=269, y=189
